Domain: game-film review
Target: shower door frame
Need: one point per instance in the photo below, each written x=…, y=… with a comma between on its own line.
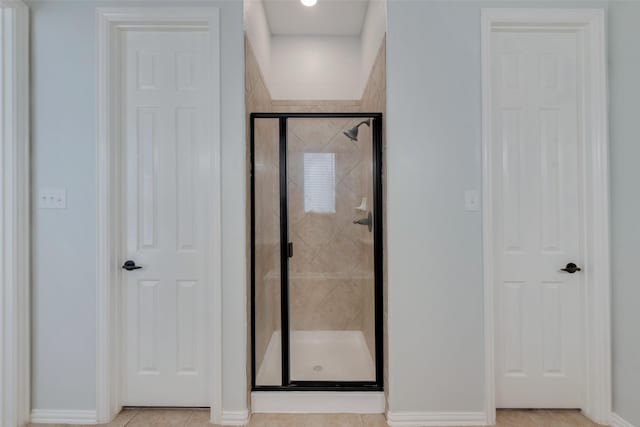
x=287, y=384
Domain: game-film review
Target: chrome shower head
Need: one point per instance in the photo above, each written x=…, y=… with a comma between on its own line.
x=352, y=133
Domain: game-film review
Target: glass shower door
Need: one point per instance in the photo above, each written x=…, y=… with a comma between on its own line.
x=331, y=286
x=316, y=246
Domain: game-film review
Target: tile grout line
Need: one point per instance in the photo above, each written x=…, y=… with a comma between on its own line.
x=188, y=418
x=136, y=413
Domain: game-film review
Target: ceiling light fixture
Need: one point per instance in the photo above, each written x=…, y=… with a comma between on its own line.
x=309, y=3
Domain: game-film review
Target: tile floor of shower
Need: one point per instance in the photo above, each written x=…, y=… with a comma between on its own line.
x=319, y=356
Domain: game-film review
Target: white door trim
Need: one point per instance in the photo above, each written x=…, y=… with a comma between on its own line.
x=589, y=22
x=110, y=23
x=15, y=336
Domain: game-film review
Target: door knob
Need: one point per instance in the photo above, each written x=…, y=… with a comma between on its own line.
x=130, y=265
x=571, y=268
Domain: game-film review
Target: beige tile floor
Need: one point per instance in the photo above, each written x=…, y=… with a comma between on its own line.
x=200, y=418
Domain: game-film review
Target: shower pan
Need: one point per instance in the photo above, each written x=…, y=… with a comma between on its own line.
x=316, y=251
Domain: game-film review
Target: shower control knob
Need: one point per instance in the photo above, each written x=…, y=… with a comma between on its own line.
x=368, y=221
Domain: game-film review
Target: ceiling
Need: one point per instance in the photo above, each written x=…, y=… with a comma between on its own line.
x=326, y=18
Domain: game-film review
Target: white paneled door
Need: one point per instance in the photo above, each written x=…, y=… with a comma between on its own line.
x=537, y=174
x=166, y=121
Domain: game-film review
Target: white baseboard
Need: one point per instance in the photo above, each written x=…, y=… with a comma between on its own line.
x=235, y=418
x=618, y=421
x=63, y=416
x=317, y=402
x=440, y=419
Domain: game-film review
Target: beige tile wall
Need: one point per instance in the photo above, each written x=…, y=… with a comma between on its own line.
x=374, y=97
x=320, y=106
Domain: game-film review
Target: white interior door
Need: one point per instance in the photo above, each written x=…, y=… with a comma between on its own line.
x=537, y=174
x=167, y=129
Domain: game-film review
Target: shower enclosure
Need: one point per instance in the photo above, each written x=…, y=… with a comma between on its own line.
x=316, y=251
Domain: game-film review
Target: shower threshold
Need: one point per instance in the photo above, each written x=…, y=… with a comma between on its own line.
x=340, y=355
x=319, y=356
x=317, y=402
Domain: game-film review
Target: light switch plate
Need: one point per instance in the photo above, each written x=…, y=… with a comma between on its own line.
x=52, y=198
x=472, y=200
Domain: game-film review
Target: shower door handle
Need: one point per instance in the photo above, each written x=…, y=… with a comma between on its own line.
x=290, y=249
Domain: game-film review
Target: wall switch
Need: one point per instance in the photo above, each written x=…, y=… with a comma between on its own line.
x=471, y=200
x=52, y=198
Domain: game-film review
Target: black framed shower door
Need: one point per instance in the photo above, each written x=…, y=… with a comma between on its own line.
x=285, y=252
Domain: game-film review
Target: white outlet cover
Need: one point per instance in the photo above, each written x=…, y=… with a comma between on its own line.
x=52, y=198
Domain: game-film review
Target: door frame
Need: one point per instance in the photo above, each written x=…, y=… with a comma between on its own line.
x=590, y=24
x=287, y=384
x=15, y=235
x=111, y=22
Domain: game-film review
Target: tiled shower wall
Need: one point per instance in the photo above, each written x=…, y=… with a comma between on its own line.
x=331, y=272
x=374, y=96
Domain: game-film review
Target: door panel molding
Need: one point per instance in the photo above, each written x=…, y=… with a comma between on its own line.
x=14, y=215
x=589, y=25
x=111, y=22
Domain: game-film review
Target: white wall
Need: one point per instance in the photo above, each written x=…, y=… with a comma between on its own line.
x=64, y=243
x=434, y=246
x=624, y=24
x=315, y=67
x=435, y=265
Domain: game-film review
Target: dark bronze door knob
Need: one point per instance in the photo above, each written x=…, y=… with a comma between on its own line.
x=571, y=268
x=130, y=265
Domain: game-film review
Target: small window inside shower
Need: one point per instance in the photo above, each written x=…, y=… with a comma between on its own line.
x=320, y=182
